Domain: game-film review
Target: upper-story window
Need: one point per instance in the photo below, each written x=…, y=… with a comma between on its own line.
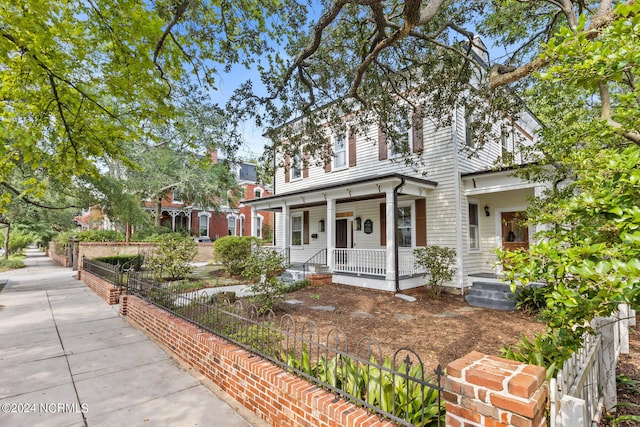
x=339, y=151
x=257, y=193
x=401, y=142
x=468, y=131
x=296, y=166
x=177, y=197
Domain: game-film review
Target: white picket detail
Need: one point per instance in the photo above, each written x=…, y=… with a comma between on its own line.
x=587, y=382
x=361, y=261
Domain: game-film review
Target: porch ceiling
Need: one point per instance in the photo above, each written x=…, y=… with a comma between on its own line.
x=362, y=189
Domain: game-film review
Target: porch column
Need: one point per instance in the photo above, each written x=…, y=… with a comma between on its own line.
x=189, y=221
x=285, y=226
x=391, y=236
x=330, y=226
x=254, y=218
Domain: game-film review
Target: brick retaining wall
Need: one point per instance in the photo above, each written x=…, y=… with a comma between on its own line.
x=279, y=397
x=104, y=289
x=483, y=390
x=62, y=260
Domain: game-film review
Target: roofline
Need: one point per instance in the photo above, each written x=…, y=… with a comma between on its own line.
x=346, y=184
x=498, y=170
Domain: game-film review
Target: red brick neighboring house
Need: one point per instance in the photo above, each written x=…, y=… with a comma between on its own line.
x=238, y=220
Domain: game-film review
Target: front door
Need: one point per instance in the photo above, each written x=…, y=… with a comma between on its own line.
x=515, y=231
x=341, y=240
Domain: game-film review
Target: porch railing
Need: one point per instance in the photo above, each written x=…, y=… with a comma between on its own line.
x=374, y=262
x=360, y=261
x=319, y=259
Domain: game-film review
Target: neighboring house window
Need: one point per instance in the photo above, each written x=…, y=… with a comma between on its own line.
x=474, y=232
x=468, y=131
x=177, y=197
x=339, y=151
x=404, y=227
x=241, y=230
x=259, y=227
x=257, y=193
x=231, y=225
x=296, y=166
x=296, y=230
x=203, y=221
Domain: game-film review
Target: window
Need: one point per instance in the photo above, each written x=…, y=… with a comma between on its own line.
x=339, y=151
x=203, y=224
x=504, y=141
x=257, y=193
x=231, y=225
x=401, y=143
x=474, y=235
x=177, y=197
x=296, y=230
x=468, y=131
x=296, y=166
x=259, y=227
x=404, y=227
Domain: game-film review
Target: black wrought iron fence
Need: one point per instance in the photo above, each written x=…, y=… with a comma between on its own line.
x=113, y=274
x=396, y=387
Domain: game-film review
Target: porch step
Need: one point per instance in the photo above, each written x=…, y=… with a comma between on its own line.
x=290, y=276
x=491, y=295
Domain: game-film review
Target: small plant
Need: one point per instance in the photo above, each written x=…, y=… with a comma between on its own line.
x=264, y=267
x=172, y=255
x=10, y=264
x=532, y=299
x=548, y=350
x=233, y=251
x=439, y=261
x=315, y=296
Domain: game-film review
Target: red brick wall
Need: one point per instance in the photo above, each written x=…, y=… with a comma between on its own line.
x=483, y=390
x=280, y=398
x=62, y=260
x=104, y=289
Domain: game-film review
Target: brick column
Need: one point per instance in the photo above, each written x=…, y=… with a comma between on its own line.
x=483, y=390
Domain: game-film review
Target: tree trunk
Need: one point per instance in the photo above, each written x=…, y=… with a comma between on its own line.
x=6, y=241
x=159, y=211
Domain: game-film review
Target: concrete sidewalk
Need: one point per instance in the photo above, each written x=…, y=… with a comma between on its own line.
x=68, y=359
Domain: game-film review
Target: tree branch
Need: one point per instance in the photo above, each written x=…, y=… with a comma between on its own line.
x=33, y=202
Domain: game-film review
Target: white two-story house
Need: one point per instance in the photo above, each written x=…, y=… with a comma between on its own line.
x=364, y=212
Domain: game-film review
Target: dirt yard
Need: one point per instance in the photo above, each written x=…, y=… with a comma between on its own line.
x=439, y=330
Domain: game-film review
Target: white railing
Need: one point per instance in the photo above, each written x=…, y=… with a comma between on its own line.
x=587, y=382
x=360, y=261
x=374, y=262
x=407, y=263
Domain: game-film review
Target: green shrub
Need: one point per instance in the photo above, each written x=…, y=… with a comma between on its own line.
x=532, y=299
x=18, y=241
x=100, y=236
x=440, y=262
x=263, y=267
x=172, y=255
x=150, y=233
x=233, y=251
x=10, y=264
x=128, y=261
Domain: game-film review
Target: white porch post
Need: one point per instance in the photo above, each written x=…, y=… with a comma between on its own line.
x=391, y=237
x=254, y=219
x=189, y=221
x=285, y=226
x=330, y=226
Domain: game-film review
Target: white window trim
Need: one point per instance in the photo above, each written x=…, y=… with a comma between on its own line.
x=393, y=155
x=240, y=230
x=301, y=216
x=293, y=166
x=257, y=193
x=200, y=215
x=235, y=224
x=412, y=205
x=259, y=224
x=469, y=140
x=175, y=200
x=478, y=207
x=346, y=152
